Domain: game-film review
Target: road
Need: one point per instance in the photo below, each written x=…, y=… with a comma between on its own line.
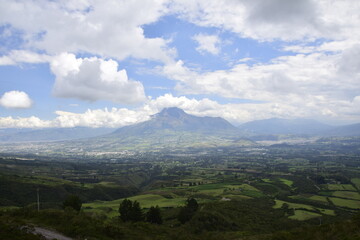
x=49, y=234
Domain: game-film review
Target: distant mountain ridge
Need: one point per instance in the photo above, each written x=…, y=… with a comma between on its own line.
x=175, y=119
x=279, y=126
x=344, y=131
x=173, y=126
x=50, y=134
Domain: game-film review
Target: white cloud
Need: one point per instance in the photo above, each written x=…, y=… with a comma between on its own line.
x=208, y=43
x=111, y=29
x=100, y=118
x=307, y=85
x=93, y=79
x=234, y=112
x=277, y=19
x=23, y=56
x=15, y=99
x=30, y=122
x=6, y=60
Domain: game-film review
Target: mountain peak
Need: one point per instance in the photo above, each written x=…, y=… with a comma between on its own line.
x=171, y=112
x=175, y=119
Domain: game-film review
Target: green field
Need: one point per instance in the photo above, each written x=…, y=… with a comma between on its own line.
x=221, y=189
x=319, y=198
x=347, y=194
x=167, y=197
x=356, y=181
x=267, y=180
x=287, y=182
x=340, y=187
x=300, y=207
x=303, y=215
x=345, y=202
x=279, y=203
x=110, y=208
x=310, y=197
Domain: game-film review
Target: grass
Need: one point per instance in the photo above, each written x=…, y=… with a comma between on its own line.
x=318, y=198
x=236, y=197
x=267, y=180
x=340, y=187
x=110, y=208
x=348, y=187
x=356, y=181
x=310, y=197
x=167, y=197
x=327, y=212
x=279, y=203
x=301, y=207
x=219, y=189
x=302, y=215
x=8, y=208
x=287, y=182
x=345, y=203
x=347, y=194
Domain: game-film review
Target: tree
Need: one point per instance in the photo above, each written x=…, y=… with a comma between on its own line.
x=136, y=212
x=192, y=204
x=187, y=212
x=125, y=210
x=154, y=215
x=286, y=208
x=72, y=201
x=130, y=211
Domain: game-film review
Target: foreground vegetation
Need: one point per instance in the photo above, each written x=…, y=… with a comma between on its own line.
x=275, y=192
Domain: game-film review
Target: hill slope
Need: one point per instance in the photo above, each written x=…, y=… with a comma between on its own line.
x=175, y=119
x=172, y=128
x=344, y=131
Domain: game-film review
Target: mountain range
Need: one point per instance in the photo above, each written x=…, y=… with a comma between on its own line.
x=174, y=127
x=50, y=134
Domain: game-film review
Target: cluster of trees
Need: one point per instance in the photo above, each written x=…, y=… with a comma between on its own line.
x=72, y=201
x=131, y=212
x=187, y=212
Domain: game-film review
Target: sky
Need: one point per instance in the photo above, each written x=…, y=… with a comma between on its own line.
x=112, y=63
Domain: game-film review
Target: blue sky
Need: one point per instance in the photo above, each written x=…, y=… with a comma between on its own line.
x=113, y=63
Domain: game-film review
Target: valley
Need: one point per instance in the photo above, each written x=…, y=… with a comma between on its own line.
x=246, y=186
x=295, y=185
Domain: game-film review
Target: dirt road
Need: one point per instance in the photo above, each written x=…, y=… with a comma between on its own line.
x=49, y=234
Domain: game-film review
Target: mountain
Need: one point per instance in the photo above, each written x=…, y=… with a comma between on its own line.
x=278, y=126
x=175, y=119
x=50, y=134
x=171, y=128
x=344, y=131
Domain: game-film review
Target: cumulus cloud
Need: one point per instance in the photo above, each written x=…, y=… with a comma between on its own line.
x=268, y=20
x=236, y=113
x=94, y=79
x=314, y=83
x=15, y=99
x=111, y=29
x=208, y=43
x=30, y=122
x=116, y=117
x=23, y=56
